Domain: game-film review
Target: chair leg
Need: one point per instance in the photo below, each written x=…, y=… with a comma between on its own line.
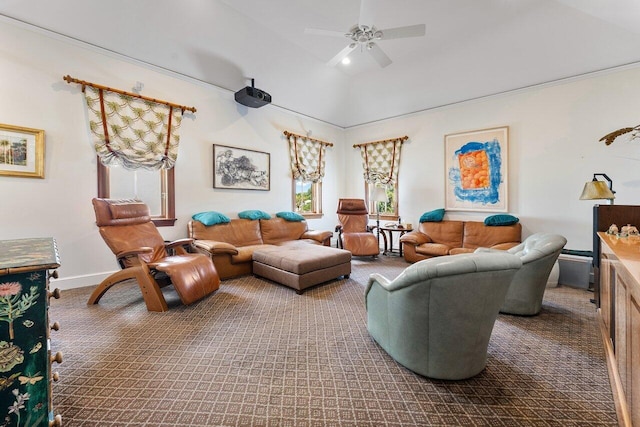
x=150, y=289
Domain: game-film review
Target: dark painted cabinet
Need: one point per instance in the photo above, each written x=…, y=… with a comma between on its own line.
x=25, y=346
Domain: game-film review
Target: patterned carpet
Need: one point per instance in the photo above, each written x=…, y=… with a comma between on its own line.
x=257, y=354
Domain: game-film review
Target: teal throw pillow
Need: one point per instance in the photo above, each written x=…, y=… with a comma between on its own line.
x=290, y=216
x=432, y=216
x=501, y=219
x=254, y=214
x=211, y=218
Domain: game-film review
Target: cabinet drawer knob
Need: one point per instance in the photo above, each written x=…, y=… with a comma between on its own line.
x=55, y=293
x=54, y=274
x=57, y=421
x=55, y=376
x=55, y=326
x=57, y=357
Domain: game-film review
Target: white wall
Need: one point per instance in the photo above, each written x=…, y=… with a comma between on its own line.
x=34, y=95
x=554, y=149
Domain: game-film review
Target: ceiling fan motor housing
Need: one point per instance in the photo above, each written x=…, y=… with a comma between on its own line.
x=363, y=34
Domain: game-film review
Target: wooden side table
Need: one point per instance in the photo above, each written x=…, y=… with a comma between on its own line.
x=389, y=231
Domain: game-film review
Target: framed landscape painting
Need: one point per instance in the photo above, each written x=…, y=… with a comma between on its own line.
x=21, y=151
x=476, y=170
x=240, y=169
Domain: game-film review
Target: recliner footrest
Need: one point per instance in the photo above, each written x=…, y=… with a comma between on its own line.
x=193, y=276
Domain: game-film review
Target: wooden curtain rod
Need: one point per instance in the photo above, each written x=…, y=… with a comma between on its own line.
x=288, y=134
x=70, y=79
x=401, y=139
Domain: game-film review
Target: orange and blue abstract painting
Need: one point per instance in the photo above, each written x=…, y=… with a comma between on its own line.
x=477, y=175
x=476, y=171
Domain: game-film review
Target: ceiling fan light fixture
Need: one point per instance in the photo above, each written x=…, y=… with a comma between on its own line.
x=365, y=36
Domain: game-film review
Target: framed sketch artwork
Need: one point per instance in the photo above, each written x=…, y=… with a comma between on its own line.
x=240, y=169
x=476, y=170
x=21, y=151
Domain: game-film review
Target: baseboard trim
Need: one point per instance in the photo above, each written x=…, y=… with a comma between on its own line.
x=622, y=410
x=64, y=283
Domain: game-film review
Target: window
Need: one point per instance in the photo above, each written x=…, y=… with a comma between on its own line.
x=381, y=162
x=139, y=133
x=307, y=198
x=156, y=188
x=389, y=209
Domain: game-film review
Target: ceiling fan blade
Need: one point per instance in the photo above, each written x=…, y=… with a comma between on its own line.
x=319, y=32
x=366, y=16
x=378, y=54
x=400, y=32
x=341, y=55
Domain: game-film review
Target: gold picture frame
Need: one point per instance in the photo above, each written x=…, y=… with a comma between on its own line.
x=21, y=151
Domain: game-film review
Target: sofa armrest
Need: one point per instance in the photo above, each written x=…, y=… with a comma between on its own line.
x=486, y=250
x=386, y=284
x=500, y=247
x=317, y=235
x=216, y=248
x=376, y=278
x=415, y=238
x=505, y=246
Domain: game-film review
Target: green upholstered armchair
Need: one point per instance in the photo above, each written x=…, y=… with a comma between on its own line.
x=538, y=253
x=437, y=316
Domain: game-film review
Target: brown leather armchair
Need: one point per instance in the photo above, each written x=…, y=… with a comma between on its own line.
x=354, y=233
x=126, y=227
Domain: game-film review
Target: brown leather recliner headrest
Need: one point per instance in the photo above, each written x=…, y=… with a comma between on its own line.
x=120, y=212
x=352, y=207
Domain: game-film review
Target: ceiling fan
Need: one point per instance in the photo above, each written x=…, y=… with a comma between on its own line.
x=364, y=35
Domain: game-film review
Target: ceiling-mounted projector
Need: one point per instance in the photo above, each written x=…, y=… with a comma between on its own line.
x=252, y=97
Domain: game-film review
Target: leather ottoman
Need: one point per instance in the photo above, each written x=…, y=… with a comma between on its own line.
x=300, y=266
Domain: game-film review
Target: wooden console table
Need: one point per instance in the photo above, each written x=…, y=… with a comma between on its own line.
x=25, y=345
x=620, y=321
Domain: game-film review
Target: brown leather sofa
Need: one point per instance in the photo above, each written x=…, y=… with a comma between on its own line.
x=231, y=245
x=457, y=237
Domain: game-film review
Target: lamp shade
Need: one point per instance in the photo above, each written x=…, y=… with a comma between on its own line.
x=594, y=190
x=379, y=194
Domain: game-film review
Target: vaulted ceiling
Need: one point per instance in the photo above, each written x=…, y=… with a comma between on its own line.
x=471, y=49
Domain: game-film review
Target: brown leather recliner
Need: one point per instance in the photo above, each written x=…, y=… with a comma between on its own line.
x=354, y=233
x=126, y=227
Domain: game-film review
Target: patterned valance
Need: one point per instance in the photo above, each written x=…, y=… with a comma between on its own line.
x=307, y=157
x=381, y=160
x=133, y=132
